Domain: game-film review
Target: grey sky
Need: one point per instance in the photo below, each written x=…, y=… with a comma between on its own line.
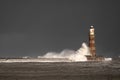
x=34, y=27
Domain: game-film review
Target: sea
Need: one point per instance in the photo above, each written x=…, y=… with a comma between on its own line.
x=89, y=70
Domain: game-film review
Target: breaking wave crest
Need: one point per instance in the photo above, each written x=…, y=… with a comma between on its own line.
x=79, y=55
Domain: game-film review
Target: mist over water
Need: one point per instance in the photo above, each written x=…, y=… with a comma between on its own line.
x=78, y=55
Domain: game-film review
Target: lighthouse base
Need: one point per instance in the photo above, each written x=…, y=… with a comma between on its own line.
x=96, y=58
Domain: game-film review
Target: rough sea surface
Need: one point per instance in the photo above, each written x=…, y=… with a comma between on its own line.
x=61, y=71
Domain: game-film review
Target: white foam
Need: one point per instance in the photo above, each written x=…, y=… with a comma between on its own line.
x=108, y=59
x=72, y=55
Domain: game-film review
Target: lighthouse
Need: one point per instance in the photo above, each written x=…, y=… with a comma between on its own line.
x=92, y=42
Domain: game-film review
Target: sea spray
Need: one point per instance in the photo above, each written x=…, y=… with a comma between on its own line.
x=79, y=55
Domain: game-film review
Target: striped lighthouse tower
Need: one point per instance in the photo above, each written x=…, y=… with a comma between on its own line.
x=92, y=41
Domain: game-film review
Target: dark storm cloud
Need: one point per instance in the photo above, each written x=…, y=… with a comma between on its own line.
x=34, y=27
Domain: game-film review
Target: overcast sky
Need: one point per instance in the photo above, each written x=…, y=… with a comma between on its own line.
x=34, y=27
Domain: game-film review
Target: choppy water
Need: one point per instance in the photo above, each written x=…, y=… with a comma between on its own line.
x=61, y=71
